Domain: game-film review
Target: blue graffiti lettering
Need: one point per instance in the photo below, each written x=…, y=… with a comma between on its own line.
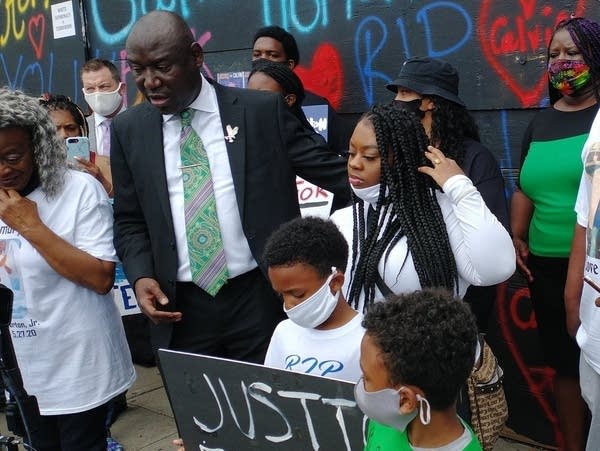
x=76, y=81
x=171, y=5
x=110, y=38
x=320, y=12
x=402, y=29
x=268, y=20
x=30, y=72
x=106, y=36
x=506, y=161
x=12, y=84
x=370, y=29
x=349, y=7
x=288, y=11
x=422, y=17
x=33, y=76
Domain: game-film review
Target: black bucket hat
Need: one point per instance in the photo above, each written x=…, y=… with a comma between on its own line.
x=428, y=76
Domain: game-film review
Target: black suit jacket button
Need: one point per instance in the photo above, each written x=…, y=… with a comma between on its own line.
x=172, y=245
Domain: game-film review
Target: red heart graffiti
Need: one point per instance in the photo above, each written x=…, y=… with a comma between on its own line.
x=325, y=75
x=508, y=41
x=36, y=31
x=538, y=379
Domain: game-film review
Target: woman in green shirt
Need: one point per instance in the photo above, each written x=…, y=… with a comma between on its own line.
x=542, y=209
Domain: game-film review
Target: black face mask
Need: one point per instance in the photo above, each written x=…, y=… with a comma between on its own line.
x=412, y=106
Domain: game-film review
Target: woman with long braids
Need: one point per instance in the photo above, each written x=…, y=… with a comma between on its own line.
x=405, y=232
x=542, y=210
x=428, y=87
x=267, y=75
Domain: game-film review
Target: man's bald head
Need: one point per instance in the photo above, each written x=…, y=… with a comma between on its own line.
x=165, y=61
x=161, y=25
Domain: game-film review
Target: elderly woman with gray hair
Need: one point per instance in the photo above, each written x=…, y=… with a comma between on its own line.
x=57, y=256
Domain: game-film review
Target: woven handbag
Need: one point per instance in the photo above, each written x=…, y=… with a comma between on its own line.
x=489, y=410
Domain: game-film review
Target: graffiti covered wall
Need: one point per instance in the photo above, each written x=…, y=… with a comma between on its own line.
x=31, y=57
x=349, y=50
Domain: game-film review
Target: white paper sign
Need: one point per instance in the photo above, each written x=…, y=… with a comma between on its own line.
x=313, y=200
x=63, y=20
x=123, y=293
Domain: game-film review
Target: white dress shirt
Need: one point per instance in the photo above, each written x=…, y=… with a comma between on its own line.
x=207, y=123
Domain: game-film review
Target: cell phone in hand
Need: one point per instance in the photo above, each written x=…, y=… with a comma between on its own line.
x=78, y=146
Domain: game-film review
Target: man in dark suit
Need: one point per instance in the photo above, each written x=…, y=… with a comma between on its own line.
x=255, y=147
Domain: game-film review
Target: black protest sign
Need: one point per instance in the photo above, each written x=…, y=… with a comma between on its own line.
x=229, y=405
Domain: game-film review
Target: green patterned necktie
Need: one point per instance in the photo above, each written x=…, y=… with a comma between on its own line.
x=205, y=245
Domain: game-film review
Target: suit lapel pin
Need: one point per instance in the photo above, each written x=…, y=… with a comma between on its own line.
x=231, y=133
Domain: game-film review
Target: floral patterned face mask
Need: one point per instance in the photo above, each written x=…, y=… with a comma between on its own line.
x=569, y=76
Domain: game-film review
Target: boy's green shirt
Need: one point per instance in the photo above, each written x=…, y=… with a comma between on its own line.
x=386, y=438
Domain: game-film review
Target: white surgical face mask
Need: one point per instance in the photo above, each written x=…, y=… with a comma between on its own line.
x=104, y=103
x=369, y=195
x=382, y=406
x=316, y=309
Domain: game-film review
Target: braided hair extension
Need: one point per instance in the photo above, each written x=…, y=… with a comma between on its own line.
x=280, y=72
x=408, y=208
x=289, y=82
x=586, y=36
x=451, y=125
x=59, y=102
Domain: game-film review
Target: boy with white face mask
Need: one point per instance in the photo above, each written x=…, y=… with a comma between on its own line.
x=307, y=259
x=416, y=354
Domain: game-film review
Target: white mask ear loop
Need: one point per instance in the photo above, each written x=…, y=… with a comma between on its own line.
x=398, y=391
x=425, y=417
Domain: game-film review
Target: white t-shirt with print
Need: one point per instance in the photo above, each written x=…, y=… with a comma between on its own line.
x=69, y=340
x=588, y=216
x=333, y=353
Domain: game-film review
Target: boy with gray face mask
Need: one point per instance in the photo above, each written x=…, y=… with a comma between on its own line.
x=307, y=259
x=416, y=354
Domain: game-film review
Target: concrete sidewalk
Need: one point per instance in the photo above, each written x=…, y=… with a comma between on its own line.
x=148, y=424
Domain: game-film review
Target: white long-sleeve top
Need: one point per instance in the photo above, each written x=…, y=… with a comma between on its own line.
x=482, y=247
